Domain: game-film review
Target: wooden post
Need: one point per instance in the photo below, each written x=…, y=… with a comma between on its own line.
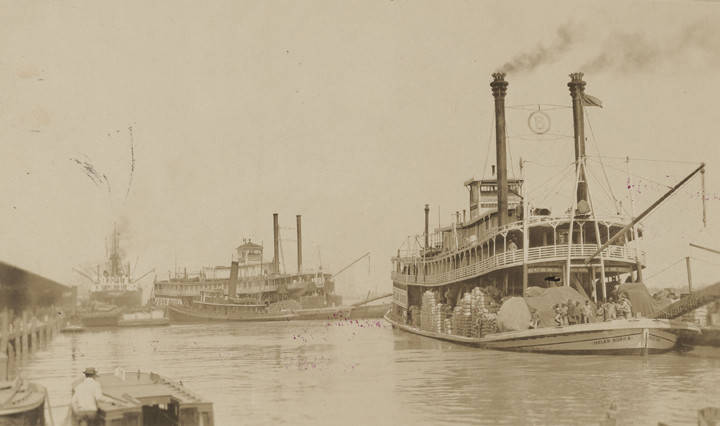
x=32, y=342
x=4, y=340
x=25, y=332
x=689, y=273
x=702, y=183
x=4, y=331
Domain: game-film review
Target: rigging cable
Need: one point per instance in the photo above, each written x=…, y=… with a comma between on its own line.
x=609, y=194
x=487, y=154
x=665, y=186
x=666, y=268
x=559, y=177
x=705, y=261
x=602, y=165
x=647, y=159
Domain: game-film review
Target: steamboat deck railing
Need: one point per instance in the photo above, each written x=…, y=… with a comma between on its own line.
x=514, y=258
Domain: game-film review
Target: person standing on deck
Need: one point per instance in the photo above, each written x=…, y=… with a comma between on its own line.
x=578, y=312
x=611, y=310
x=534, y=319
x=587, y=312
x=85, y=397
x=571, y=312
x=558, y=315
x=625, y=306
x=564, y=313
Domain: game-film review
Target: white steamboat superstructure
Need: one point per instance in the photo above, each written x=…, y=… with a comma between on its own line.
x=504, y=246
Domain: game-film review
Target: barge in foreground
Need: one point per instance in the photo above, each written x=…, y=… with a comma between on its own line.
x=450, y=287
x=147, y=399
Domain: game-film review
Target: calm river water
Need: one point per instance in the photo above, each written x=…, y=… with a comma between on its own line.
x=366, y=373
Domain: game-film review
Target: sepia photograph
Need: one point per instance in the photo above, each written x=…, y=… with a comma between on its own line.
x=359, y=212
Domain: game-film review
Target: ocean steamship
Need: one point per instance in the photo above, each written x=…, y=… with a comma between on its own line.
x=504, y=246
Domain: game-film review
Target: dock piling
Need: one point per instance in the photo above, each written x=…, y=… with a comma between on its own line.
x=4, y=341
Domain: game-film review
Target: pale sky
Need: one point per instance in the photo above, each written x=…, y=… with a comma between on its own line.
x=354, y=114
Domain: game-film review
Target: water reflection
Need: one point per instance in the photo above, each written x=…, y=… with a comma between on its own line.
x=310, y=373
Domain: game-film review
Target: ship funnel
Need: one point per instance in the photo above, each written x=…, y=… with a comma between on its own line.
x=299, y=242
x=499, y=90
x=577, y=92
x=232, y=283
x=427, y=225
x=276, y=244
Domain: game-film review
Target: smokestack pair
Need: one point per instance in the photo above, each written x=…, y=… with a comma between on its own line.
x=499, y=91
x=276, y=244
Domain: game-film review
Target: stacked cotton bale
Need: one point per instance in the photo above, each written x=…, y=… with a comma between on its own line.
x=514, y=315
x=447, y=326
x=437, y=318
x=428, y=311
x=489, y=324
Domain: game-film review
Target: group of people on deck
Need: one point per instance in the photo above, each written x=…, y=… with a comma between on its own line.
x=569, y=313
x=615, y=308
x=573, y=312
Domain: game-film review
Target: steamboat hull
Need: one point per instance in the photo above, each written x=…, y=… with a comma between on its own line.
x=121, y=298
x=369, y=311
x=619, y=337
x=152, y=322
x=101, y=319
x=334, y=313
x=189, y=315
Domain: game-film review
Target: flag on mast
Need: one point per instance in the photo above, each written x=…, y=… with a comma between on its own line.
x=588, y=100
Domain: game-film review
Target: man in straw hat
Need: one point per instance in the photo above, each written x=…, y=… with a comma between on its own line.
x=85, y=397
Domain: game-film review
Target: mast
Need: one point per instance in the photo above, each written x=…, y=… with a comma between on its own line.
x=638, y=266
x=299, y=243
x=427, y=226
x=276, y=244
x=702, y=183
x=526, y=231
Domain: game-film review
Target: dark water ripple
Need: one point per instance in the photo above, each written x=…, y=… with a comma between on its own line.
x=365, y=373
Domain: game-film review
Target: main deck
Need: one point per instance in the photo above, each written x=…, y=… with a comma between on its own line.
x=618, y=337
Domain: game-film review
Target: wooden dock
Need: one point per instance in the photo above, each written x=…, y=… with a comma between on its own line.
x=24, y=334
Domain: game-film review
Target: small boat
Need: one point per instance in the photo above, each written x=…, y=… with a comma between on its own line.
x=618, y=337
x=22, y=403
x=73, y=329
x=145, y=399
x=144, y=319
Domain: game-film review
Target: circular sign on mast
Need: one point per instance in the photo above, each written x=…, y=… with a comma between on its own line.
x=539, y=122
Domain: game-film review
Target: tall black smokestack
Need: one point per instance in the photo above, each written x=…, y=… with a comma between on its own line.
x=276, y=244
x=232, y=284
x=299, y=242
x=499, y=90
x=577, y=90
x=427, y=225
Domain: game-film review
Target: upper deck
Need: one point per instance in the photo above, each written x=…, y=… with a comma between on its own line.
x=547, y=242
x=245, y=286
